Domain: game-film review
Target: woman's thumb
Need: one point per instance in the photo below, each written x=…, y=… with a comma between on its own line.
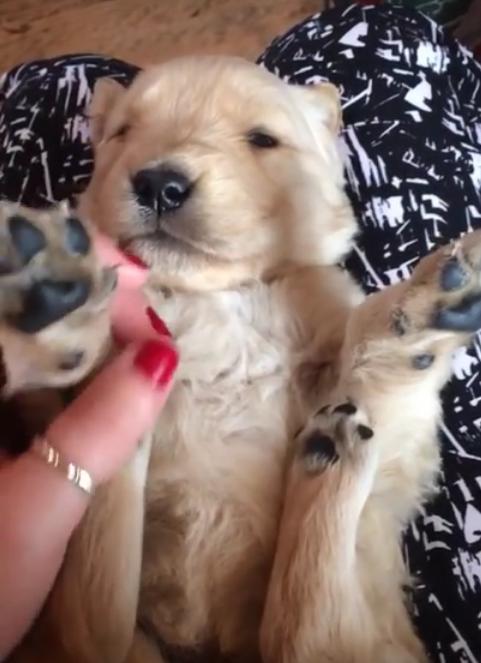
x=99, y=431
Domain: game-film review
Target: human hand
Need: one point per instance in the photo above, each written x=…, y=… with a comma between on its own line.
x=99, y=431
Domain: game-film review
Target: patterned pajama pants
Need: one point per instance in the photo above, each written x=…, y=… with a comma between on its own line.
x=412, y=145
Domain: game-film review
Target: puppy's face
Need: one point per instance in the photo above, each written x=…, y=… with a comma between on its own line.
x=215, y=172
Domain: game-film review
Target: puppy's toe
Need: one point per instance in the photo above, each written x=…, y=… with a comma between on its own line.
x=77, y=240
x=26, y=238
x=463, y=317
x=318, y=450
x=335, y=433
x=453, y=275
x=460, y=279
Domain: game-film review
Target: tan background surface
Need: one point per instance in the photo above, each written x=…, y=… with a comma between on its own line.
x=143, y=31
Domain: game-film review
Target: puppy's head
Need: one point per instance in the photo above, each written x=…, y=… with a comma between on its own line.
x=215, y=172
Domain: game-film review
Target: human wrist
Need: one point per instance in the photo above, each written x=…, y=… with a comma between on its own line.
x=53, y=458
x=39, y=501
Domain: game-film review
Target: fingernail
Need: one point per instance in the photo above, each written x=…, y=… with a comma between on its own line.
x=157, y=362
x=135, y=260
x=158, y=324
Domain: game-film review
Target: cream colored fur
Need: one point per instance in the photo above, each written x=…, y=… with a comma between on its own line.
x=242, y=547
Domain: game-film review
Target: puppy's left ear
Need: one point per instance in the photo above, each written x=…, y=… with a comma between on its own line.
x=107, y=91
x=322, y=105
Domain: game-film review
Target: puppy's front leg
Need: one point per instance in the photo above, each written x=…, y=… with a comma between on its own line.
x=315, y=609
x=90, y=616
x=336, y=588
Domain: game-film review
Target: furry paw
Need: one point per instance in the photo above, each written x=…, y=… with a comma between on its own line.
x=337, y=447
x=335, y=434
x=53, y=297
x=444, y=291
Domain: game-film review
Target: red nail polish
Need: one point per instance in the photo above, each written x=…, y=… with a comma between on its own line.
x=158, y=324
x=135, y=260
x=157, y=362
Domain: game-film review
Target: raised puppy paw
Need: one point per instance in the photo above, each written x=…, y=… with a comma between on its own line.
x=337, y=445
x=444, y=291
x=54, y=295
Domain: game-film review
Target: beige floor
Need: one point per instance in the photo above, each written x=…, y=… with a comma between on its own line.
x=143, y=31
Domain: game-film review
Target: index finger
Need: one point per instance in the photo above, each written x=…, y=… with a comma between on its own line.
x=132, y=317
x=132, y=273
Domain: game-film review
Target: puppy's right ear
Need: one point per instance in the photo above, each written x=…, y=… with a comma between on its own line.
x=106, y=93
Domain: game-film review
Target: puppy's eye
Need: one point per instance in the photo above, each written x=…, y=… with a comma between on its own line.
x=262, y=139
x=121, y=132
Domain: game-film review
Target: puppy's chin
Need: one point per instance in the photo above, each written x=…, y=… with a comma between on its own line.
x=176, y=265
x=154, y=248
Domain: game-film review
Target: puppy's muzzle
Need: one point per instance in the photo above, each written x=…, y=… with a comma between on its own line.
x=161, y=189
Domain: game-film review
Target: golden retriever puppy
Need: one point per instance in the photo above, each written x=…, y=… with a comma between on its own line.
x=262, y=522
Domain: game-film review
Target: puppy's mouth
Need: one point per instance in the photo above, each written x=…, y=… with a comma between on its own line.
x=148, y=245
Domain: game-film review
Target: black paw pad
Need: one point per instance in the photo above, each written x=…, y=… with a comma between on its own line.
x=319, y=450
x=27, y=239
x=422, y=362
x=453, y=276
x=72, y=360
x=465, y=317
x=77, y=239
x=48, y=301
x=364, y=432
x=346, y=408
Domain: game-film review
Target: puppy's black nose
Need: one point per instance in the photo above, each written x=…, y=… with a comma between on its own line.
x=162, y=189
x=48, y=301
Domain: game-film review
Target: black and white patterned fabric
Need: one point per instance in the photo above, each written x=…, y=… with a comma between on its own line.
x=45, y=152
x=412, y=143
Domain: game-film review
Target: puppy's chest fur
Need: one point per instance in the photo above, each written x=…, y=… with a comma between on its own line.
x=216, y=473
